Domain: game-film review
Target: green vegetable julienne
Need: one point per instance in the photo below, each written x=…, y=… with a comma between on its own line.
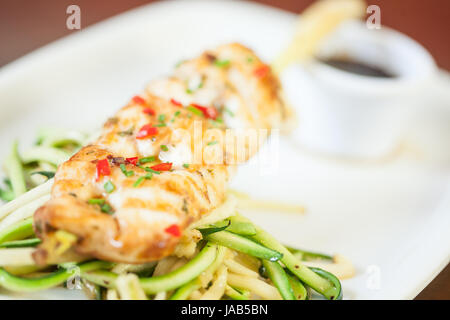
x=279, y=279
x=169, y=281
x=315, y=281
x=21, y=243
x=242, y=244
x=20, y=230
x=14, y=170
x=19, y=284
x=182, y=275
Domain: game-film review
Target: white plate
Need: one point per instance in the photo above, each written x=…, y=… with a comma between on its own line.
x=391, y=219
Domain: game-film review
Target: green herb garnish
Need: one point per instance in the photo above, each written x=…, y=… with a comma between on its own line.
x=164, y=147
x=109, y=187
x=152, y=170
x=96, y=201
x=186, y=165
x=194, y=110
x=146, y=160
x=125, y=172
x=106, y=208
x=138, y=182
x=229, y=112
x=176, y=114
x=222, y=63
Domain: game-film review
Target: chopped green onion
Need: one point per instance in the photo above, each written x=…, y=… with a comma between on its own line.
x=186, y=165
x=125, y=172
x=109, y=187
x=161, y=117
x=106, y=208
x=222, y=63
x=194, y=110
x=138, y=182
x=212, y=143
x=152, y=170
x=160, y=125
x=96, y=201
x=146, y=160
x=176, y=114
x=164, y=147
x=231, y=113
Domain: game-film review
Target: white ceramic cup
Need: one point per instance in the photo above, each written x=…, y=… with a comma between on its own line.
x=351, y=115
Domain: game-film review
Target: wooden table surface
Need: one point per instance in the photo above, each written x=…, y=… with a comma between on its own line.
x=26, y=25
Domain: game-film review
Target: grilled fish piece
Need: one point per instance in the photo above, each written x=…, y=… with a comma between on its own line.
x=159, y=165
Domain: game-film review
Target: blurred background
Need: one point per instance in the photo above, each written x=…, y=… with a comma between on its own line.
x=27, y=25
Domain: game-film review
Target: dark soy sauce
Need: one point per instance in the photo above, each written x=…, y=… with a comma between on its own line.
x=357, y=67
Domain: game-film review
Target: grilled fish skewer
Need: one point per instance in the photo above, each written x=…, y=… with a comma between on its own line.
x=119, y=203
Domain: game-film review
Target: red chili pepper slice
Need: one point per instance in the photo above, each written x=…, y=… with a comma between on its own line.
x=149, y=111
x=173, y=230
x=261, y=72
x=208, y=112
x=132, y=160
x=162, y=166
x=175, y=102
x=103, y=168
x=138, y=100
x=146, y=131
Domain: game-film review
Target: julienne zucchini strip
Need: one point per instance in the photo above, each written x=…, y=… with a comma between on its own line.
x=14, y=170
x=300, y=292
x=18, y=231
x=169, y=281
x=185, y=291
x=319, y=283
x=235, y=294
x=21, y=243
x=19, y=284
x=182, y=275
x=244, y=245
x=279, y=278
